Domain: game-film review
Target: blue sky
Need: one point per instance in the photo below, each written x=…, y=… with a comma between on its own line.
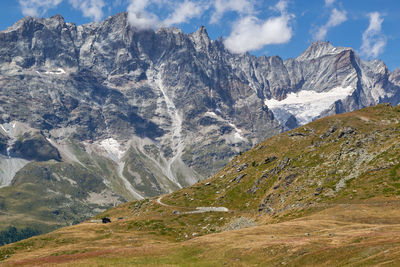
x=272, y=27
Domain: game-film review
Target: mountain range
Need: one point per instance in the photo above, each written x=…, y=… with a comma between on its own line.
x=98, y=114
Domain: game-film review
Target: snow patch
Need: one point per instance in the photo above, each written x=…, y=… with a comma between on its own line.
x=59, y=71
x=238, y=135
x=211, y=114
x=113, y=148
x=2, y=127
x=306, y=105
x=238, y=132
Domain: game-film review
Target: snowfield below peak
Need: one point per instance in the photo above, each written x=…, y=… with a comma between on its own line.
x=306, y=105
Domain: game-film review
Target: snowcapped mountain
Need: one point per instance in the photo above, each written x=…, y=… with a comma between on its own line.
x=332, y=80
x=97, y=114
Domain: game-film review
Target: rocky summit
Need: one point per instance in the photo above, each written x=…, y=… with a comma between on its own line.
x=98, y=114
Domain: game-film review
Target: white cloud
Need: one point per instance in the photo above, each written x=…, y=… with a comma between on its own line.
x=184, y=12
x=251, y=33
x=373, y=40
x=337, y=17
x=139, y=17
x=223, y=6
x=329, y=2
x=90, y=8
x=281, y=6
x=37, y=7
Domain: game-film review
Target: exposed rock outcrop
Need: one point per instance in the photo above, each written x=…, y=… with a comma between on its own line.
x=148, y=112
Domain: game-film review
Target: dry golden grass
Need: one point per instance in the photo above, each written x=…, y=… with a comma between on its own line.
x=355, y=234
x=356, y=225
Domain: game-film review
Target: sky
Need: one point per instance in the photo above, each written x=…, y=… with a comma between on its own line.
x=270, y=27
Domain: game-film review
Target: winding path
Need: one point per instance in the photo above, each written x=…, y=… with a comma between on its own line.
x=197, y=210
x=163, y=204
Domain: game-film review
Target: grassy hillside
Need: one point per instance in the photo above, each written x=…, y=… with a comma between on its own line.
x=325, y=194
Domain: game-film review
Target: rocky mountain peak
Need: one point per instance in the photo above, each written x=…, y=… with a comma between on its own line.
x=201, y=33
x=396, y=71
x=58, y=18
x=55, y=22
x=119, y=20
x=395, y=76
x=318, y=49
x=200, y=38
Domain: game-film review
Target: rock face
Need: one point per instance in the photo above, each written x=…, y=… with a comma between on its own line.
x=327, y=80
x=121, y=114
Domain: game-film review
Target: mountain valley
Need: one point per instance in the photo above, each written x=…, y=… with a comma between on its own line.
x=95, y=115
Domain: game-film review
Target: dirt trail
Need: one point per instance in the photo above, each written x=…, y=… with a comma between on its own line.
x=197, y=210
x=163, y=204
